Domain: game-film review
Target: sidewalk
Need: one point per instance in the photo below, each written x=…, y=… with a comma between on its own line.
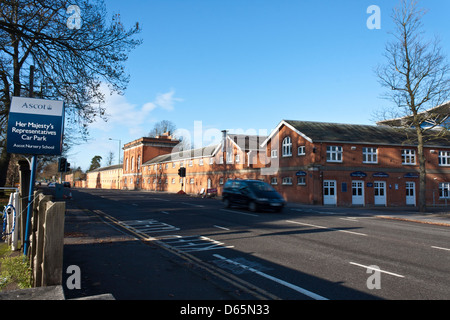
x=433, y=215
x=112, y=262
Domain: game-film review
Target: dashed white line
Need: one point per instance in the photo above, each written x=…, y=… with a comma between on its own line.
x=282, y=282
x=440, y=248
x=193, y=205
x=371, y=268
x=220, y=227
x=246, y=214
x=321, y=227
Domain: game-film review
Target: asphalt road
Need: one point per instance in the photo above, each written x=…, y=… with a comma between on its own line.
x=302, y=253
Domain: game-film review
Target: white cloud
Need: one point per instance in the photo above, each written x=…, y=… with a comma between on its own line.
x=125, y=115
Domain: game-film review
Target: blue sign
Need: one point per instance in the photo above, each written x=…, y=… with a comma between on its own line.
x=300, y=173
x=411, y=175
x=380, y=175
x=35, y=126
x=358, y=174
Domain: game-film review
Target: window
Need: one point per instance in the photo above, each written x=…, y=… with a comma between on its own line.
x=132, y=163
x=200, y=162
x=444, y=158
x=370, y=155
x=238, y=158
x=274, y=180
x=287, y=147
x=139, y=163
x=220, y=180
x=444, y=190
x=211, y=160
x=334, y=154
x=220, y=160
x=301, y=181
x=229, y=157
x=274, y=153
x=408, y=156
x=301, y=151
x=191, y=181
x=287, y=181
x=173, y=164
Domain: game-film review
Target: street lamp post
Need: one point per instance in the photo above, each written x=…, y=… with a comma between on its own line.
x=118, y=175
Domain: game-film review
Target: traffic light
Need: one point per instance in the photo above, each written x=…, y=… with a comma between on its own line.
x=67, y=166
x=62, y=162
x=182, y=172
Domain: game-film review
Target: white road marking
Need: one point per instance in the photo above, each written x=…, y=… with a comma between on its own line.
x=440, y=248
x=321, y=227
x=221, y=227
x=369, y=267
x=247, y=214
x=193, y=205
x=267, y=276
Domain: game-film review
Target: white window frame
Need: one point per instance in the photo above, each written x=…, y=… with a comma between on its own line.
x=301, y=150
x=230, y=157
x=301, y=181
x=287, y=181
x=273, y=180
x=200, y=162
x=408, y=156
x=444, y=190
x=334, y=154
x=444, y=158
x=274, y=153
x=287, y=147
x=370, y=155
x=237, y=158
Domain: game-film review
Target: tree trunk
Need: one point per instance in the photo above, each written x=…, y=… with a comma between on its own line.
x=422, y=170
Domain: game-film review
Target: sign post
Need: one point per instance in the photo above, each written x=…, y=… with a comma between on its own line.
x=35, y=127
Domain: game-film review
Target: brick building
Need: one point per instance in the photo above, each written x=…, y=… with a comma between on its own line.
x=307, y=162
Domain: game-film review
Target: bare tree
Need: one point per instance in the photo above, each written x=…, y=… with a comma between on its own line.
x=73, y=49
x=110, y=158
x=161, y=127
x=417, y=78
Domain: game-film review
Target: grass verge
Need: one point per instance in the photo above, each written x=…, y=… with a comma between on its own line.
x=15, y=273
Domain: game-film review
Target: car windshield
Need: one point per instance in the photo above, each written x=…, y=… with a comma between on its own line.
x=261, y=188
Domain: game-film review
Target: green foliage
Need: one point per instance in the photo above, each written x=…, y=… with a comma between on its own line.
x=15, y=270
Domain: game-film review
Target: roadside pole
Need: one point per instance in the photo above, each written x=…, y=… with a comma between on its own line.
x=32, y=180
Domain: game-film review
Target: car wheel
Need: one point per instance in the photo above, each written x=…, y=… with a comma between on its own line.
x=226, y=202
x=252, y=206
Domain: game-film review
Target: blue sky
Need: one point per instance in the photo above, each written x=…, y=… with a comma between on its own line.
x=247, y=64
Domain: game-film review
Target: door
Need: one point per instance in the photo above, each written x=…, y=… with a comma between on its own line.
x=329, y=192
x=410, y=193
x=380, y=193
x=358, y=193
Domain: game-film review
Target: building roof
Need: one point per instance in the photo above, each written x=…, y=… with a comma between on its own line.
x=438, y=115
x=242, y=141
x=208, y=151
x=362, y=134
x=112, y=167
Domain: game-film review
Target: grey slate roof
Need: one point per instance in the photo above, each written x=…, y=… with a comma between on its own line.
x=367, y=134
x=183, y=155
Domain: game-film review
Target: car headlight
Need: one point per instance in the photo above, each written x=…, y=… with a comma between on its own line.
x=262, y=199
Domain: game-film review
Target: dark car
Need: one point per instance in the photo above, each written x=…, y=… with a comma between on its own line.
x=66, y=184
x=253, y=194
